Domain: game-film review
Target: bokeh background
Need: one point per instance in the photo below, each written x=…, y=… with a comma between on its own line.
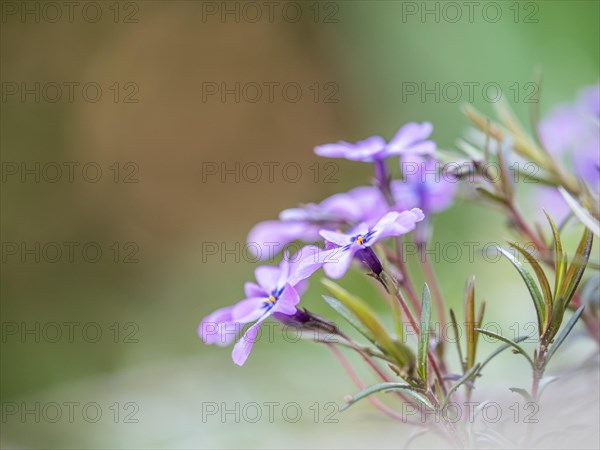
x=155, y=279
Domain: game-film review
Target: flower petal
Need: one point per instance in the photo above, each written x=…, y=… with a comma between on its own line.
x=248, y=310
x=287, y=302
x=253, y=290
x=312, y=260
x=241, y=350
x=267, y=277
x=266, y=239
x=407, y=136
x=366, y=150
x=337, y=269
x=334, y=237
x=297, y=274
x=218, y=327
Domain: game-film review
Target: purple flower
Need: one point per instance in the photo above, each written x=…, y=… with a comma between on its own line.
x=410, y=139
x=276, y=292
x=572, y=133
x=336, y=261
x=425, y=185
x=361, y=204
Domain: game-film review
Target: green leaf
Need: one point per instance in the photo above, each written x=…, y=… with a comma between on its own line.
x=559, y=257
x=564, y=333
x=544, y=382
x=454, y=324
x=507, y=341
x=500, y=350
x=471, y=373
x=536, y=296
x=367, y=318
x=490, y=195
x=424, y=334
x=580, y=212
x=350, y=318
x=523, y=393
x=389, y=387
x=578, y=265
x=558, y=312
x=470, y=323
x=542, y=280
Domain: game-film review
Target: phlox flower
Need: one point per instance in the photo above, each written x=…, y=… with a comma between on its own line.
x=276, y=291
x=342, y=247
x=410, y=139
x=361, y=204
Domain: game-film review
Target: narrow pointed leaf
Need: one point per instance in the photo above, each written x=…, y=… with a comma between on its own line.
x=490, y=195
x=542, y=280
x=558, y=312
x=500, y=350
x=536, y=296
x=388, y=387
x=454, y=324
x=544, y=382
x=470, y=374
x=564, y=333
x=424, y=334
x=558, y=255
x=507, y=341
x=350, y=318
x=580, y=212
x=523, y=393
x=369, y=320
x=470, y=323
x=578, y=265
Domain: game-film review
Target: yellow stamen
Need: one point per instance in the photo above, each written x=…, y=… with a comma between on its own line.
x=271, y=299
x=360, y=240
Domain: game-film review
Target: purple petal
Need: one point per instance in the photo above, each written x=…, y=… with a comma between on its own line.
x=338, y=150
x=366, y=150
x=297, y=274
x=411, y=133
x=248, y=310
x=312, y=260
x=267, y=277
x=405, y=195
x=216, y=327
x=407, y=220
x=284, y=271
x=338, y=268
x=422, y=148
x=334, y=237
x=361, y=228
x=342, y=206
x=286, y=304
x=241, y=350
x=385, y=227
x=253, y=290
x=268, y=238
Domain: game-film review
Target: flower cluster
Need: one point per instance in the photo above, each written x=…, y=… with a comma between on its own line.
x=350, y=224
x=368, y=226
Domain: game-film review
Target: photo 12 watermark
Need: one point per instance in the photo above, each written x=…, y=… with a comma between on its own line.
x=462, y=12
x=69, y=92
x=53, y=252
x=68, y=332
x=71, y=412
x=269, y=172
x=45, y=12
x=69, y=172
x=468, y=91
x=318, y=12
x=289, y=92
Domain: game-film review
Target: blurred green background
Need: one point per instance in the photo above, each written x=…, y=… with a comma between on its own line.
x=369, y=50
